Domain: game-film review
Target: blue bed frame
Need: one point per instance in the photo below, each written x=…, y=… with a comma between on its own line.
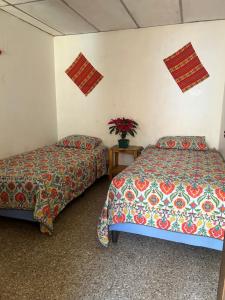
x=194, y=240
x=17, y=214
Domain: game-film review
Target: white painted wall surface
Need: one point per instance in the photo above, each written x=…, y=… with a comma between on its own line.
x=27, y=87
x=137, y=84
x=222, y=129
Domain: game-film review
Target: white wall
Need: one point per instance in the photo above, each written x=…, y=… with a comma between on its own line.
x=137, y=84
x=222, y=129
x=27, y=87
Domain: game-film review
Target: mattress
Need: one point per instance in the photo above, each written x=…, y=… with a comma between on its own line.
x=181, y=191
x=47, y=179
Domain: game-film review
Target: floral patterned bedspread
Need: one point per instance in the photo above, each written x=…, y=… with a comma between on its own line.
x=176, y=190
x=46, y=179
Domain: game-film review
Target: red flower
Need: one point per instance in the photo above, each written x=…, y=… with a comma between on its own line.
x=56, y=210
x=120, y=218
x=20, y=197
x=201, y=146
x=4, y=197
x=47, y=177
x=68, y=180
x=66, y=142
x=46, y=210
x=129, y=195
x=166, y=201
x=220, y=194
x=44, y=167
x=118, y=182
x=139, y=219
x=216, y=232
x=171, y=143
x=77, y=144
x=141, y=184
x=88, y=147
x=123, y=126
x=179, y=203
x=167, y=188
x=194, y=192
x=207, y=206
x=189, y=227
x=44, y=195
x=153, y=200
x=186, y=144
x=163, y=223
x=193, y=205
x=54, y=193
x=222, y=209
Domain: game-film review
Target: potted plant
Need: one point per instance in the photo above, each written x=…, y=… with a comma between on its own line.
x=123, y=127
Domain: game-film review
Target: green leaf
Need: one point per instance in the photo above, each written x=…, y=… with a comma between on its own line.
x=201, y=198
x=160, y=194
x=215, y=200
x=173, y=195
x=131, y=133
x=123, y=189
x=186, y=197
x=147, y=192
x=135, y=191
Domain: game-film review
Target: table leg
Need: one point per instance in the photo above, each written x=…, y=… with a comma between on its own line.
x=135, y=155
x=116, y=159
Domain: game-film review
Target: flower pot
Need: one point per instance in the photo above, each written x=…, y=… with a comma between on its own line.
x=123, y=143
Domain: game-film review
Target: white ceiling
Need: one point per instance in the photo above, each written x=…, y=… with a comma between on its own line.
x=63, y=17
x=154, y=12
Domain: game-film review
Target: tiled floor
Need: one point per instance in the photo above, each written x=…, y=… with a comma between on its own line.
x=73, y=265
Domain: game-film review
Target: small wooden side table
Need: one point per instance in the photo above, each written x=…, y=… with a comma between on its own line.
x=114, y=167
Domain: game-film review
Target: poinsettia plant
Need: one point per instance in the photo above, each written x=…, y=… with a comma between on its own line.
x=123, y=126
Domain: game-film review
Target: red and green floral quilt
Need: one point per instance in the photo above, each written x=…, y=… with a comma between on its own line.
x=47, y=179
x=176, y=190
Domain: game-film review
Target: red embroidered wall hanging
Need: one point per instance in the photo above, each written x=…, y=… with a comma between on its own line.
x=186, y=68
x=83, y=74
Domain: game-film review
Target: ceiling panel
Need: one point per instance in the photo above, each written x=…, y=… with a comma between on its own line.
x=104, y=14
x=154, y=12
x=57, y=15
x=20, y=1
x=12, y=10
x=200, y=10
x=2, y=3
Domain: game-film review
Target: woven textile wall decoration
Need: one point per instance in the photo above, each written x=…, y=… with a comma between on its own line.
x=83, y=74
x=186, y=68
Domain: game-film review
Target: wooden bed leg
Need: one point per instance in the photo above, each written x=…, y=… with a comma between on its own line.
x=115, y=235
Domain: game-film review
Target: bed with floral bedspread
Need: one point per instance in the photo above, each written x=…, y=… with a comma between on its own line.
x=173, y=190
x=47, y=179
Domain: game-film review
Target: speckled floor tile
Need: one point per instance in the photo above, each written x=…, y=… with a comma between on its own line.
x=72, y=264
